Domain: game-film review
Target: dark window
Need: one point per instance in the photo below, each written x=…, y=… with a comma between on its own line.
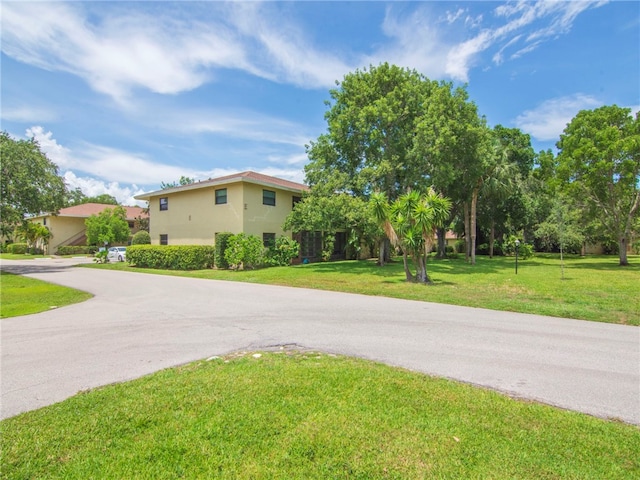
x=45, y=221
x=268, y=239
x=295, y=200
x=269, y=198
x=130, y=224
x=164, y=239
x=221, y=196
x=164, y=203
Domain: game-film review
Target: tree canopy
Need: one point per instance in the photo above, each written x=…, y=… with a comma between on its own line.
x=108, y=227
x=599, y=166
x=29, y=183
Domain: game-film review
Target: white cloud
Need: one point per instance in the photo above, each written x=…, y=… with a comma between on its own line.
x=548, y=120
x=93, y=187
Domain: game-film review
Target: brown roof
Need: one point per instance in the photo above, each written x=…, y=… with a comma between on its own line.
x=251, y=177
x=88, y=209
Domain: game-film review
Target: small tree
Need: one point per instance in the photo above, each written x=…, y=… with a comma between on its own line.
x=244, y=252
x=284, y=250
x=36, y=235
x=108, y=227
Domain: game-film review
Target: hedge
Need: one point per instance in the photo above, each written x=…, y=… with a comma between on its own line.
x=17, y=248
x=77, y=250
x=141, y=238
x=171, y=257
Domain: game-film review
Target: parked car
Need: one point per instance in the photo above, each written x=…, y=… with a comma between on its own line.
x=117, y=254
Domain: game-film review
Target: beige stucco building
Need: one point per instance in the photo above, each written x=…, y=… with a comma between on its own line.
x=246, y=202
x=67, y=227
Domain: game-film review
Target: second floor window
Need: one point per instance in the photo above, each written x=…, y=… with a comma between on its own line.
x=269, y=197
x=221, y=196
x=164, y=239
x=164, y=203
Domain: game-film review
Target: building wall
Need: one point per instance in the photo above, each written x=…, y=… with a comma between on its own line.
x=193, y=218
x=63, y=230
x=259, y=218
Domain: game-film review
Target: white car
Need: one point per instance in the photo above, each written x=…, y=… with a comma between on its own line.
x=117, y=254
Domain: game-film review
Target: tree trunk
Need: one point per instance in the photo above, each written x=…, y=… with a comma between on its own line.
x=474, y=202
x=492, y=237
x=421, y=269
x=467, y=228
x=381, y=252
x=407, y=270
x=622, y=245
x=442, y=243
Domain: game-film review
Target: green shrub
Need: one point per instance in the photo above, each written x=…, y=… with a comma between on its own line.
x=101, y=257
x=280, y=254
x=77, y=250
x=525, y=250
x=171, y=257
x=222, y=240
x=461, y=245
x=17, y=248
x=244, y=252
x=141, y=238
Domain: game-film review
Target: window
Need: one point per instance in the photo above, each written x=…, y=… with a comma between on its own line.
x=221, y=196
x=164, y=239
x=44, y=221
x=268, y=239
x=269, y=198
x=295, y=200
x=164, y=203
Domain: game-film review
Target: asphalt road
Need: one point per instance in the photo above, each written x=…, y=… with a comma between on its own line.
x=139, y=323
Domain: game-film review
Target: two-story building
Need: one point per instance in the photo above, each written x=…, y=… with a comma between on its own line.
x=246, y=202
x=68, y=227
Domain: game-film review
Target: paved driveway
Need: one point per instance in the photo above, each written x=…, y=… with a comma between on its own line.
x=139, y=323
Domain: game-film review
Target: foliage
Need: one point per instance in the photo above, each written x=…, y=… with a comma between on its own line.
x=599, y=165
x=35, y=234
x=101, y=256
x=171, y=257
x=107, y=227
x=509, y=245
x=281, y=254
x=77, y=197
x=141, y=238
x=221, y=243
x=183, y=181
x=77, y=250
x=330, y=214
x=562, y=230
x=244, y=252
x=410, y=223
x=23, y=295
x=29, y=182
x=17, y=248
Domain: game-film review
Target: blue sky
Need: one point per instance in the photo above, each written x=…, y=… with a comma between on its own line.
x=125, y=95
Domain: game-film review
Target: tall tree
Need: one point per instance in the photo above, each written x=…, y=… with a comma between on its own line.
x=599, y=163
x=107, y=227
x=29, y=183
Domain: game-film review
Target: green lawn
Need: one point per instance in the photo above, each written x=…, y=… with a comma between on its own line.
x=23, y=295
x=294, y=415
x=20, y=256
x=594, y=288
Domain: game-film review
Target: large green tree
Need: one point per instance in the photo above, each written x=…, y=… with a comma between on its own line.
x=29, y=183
x=371, y=122
x=107, y=227
x=599, y=163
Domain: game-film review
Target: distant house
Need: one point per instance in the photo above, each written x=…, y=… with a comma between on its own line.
x=246, y=202
x=67, y=226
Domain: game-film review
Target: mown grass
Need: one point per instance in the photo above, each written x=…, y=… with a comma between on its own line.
x=306, y=415
x=23, y=295
x=594, y=288
x=20, y=256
